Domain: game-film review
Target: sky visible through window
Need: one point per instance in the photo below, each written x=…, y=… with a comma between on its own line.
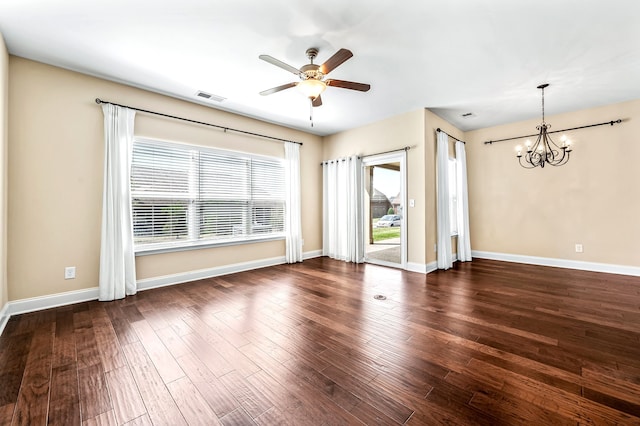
x=386, y=181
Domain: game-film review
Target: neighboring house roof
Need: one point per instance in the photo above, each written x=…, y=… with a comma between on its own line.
x=379, y=196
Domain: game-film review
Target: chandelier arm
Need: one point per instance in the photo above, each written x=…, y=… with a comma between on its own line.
x=563, y=160
x=527, y=162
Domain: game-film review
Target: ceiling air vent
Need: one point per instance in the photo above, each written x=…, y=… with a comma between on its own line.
x=209, y=96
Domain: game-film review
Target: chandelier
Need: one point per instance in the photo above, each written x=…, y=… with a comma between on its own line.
x=544, y=150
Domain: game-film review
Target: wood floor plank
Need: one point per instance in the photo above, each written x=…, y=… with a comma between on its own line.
x=124, y=330
x=567, y=404
x=140, y=421
x=94, y=394
x=252, y=400
x=192, y=405
x=237, y=418
x=64, y=345
x=104, y=419
x=13, y=361
x=125, y=397
x=209, y=386
x=512, y=410
x=6, y=413
x=32, y=403
x=322, y=408
x=107, y=342
x=273, y=417
x=207, y=354
x=172, y=342
x=64, y=401
x=484, y=342
x=87, y=351
x=385, y=403
x=160, y=356
x=312, y=375
x=161, y=407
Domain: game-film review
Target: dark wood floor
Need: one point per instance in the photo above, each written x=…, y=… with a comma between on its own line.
x=485, y=343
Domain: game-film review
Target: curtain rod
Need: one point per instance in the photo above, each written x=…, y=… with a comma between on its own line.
x=100, y=101
x=612, y=122
x=439, y=130
x=406, y=148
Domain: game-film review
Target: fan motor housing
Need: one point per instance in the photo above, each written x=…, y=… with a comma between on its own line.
x=310, y=71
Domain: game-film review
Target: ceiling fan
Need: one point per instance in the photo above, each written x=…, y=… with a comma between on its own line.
x=312, y=77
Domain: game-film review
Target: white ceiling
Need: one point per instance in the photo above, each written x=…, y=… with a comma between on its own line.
x=451, y=56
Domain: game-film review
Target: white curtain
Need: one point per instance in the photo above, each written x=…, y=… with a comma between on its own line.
x=445, y=257
x=117, y=260
x=292, y=221
x=464, y=239
x=342, y=209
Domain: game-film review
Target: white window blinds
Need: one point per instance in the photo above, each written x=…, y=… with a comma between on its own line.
x=184, y=195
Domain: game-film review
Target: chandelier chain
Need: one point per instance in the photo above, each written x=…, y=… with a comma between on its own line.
x=543, y=105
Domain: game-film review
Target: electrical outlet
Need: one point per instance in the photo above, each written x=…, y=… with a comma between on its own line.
x=412, y=203
x=579, y=248
x=303, y=242
x=69, y=272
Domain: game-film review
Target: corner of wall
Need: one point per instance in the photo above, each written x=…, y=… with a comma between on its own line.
x=4, y=136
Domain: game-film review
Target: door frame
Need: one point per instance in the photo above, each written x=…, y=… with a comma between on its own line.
x=400, y=157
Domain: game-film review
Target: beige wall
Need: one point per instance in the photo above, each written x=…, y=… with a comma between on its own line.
x=593, y=200
x=387, y=135
x=55, y=177
x=4, y=136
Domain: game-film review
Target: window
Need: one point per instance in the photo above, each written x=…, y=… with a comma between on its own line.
x=453, y=196
x=184, y=195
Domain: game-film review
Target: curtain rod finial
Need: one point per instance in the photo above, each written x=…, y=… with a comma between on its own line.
x=98, y=101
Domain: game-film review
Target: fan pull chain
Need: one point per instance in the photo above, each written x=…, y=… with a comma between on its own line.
x=311, y=111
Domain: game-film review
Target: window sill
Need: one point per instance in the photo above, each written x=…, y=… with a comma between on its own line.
x=160, y=248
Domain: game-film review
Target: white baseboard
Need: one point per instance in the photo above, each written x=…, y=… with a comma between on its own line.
x=4, y=317
x=39, y=303
x=183, y=277
x=24, y=306
x=421, y=267
x=560, y=263
x=432, y=266
x=312, y=254
x=416, y=267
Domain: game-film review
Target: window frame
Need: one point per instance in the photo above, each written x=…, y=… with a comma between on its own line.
x=192, y=220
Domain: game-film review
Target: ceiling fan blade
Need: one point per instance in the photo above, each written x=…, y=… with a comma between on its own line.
x=362, y=87
x=280, y=64
x=317, y=101
x=333, y=62
x=278, y=88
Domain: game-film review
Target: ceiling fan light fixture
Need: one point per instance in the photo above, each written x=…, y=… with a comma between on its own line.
x=312, y=88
